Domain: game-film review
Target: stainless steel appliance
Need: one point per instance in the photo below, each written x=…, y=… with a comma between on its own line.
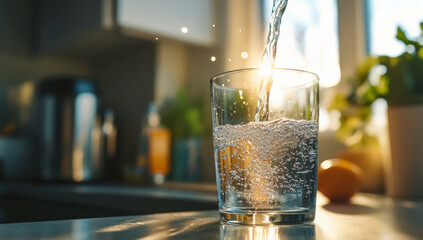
x=72, y=140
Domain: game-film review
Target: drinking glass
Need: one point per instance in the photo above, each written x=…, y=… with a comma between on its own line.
x=266, y=171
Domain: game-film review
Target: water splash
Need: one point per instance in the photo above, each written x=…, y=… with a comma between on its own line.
x=279, y=7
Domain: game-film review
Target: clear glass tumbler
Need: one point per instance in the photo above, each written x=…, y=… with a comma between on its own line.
x=266, y=171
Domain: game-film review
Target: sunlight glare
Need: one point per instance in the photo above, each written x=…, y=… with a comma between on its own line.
x=266, y=70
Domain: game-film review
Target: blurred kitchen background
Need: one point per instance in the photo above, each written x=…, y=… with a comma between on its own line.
x=116, y=93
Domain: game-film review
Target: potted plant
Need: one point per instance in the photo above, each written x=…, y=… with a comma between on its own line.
x=185, y=120
x=398, y=80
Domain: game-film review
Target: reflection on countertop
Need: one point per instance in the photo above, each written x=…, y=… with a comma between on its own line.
x=27, y=202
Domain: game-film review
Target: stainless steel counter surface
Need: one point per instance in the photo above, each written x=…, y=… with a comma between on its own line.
x=55, y=191
x=30, y=202
x=368, y=216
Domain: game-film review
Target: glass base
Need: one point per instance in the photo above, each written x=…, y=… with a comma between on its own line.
x=266, y=218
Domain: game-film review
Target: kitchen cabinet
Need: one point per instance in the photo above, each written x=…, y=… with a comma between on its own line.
x=15, y=26
x=89, y=30
x=169, y=19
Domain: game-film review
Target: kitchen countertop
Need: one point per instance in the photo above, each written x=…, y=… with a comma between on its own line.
x=186, y=191
x=30, y=202
x=368, y=216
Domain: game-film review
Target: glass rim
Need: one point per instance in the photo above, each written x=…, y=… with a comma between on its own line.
x=315, y=79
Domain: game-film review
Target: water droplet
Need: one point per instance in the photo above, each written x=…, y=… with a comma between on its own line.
x=240, y=94
x=184, y=29
x=213, y=58
x=244, y=55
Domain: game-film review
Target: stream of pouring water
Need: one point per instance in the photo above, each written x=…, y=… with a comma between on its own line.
x=267, y=166
x=279, y=6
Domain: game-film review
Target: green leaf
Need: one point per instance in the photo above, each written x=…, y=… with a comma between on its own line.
x=183, y=117
x=403, y=38
x=339, y=102
x=382, y=87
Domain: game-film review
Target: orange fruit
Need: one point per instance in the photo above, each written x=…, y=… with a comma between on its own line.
x=339, y=179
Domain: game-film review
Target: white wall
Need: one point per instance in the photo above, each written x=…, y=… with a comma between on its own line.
x=165, y=18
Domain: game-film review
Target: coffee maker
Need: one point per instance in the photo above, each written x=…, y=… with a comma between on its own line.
x=73, y=130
